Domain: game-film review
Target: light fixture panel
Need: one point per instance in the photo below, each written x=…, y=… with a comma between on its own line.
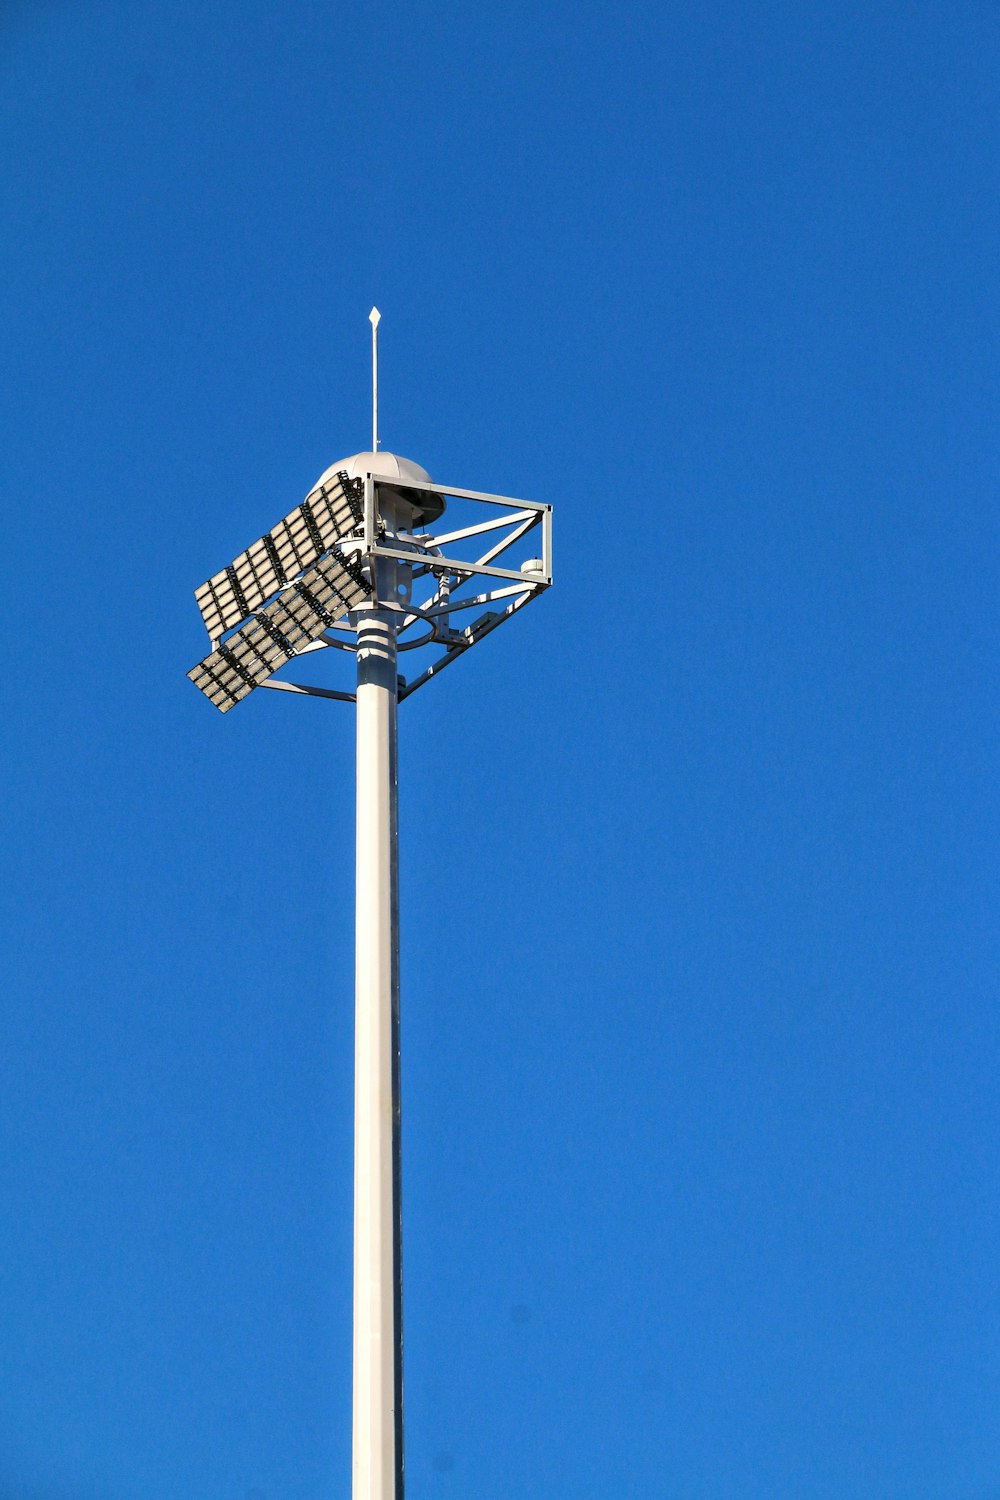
x=329, y=513
x=300, y=613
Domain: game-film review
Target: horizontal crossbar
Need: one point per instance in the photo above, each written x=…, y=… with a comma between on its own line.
x=453, y=565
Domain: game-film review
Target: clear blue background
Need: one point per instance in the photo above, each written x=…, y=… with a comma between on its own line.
x=700, y=1037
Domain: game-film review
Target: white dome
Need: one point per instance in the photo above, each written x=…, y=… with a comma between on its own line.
x=424, y=504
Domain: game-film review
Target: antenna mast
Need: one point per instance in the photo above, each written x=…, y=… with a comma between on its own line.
x=374, y=317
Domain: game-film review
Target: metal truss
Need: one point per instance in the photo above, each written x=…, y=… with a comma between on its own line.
x=431, y=621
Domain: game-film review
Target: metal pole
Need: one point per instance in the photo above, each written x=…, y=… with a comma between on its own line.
x=378, y=1344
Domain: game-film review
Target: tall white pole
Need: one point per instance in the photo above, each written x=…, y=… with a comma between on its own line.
x=378, y=1348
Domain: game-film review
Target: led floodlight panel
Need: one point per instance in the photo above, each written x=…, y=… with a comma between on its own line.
x=300, y=613
x=327, y=514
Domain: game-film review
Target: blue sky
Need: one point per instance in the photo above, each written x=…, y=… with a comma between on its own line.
x=698, y=876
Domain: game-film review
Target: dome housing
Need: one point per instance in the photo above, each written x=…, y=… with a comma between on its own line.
x=415, y=507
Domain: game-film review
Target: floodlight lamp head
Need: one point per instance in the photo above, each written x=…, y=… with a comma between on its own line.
x=415, y=507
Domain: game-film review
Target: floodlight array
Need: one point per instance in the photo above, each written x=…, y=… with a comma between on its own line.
x=328, y=513
x=300, y=613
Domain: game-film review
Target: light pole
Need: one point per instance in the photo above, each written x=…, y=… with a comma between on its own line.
x=377, y=1440
x=356, y=569
x=378, y=1271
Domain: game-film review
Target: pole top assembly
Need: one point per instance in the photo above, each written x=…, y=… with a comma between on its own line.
x=367, y=521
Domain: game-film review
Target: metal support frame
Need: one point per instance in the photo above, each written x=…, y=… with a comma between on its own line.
x=424, y=557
